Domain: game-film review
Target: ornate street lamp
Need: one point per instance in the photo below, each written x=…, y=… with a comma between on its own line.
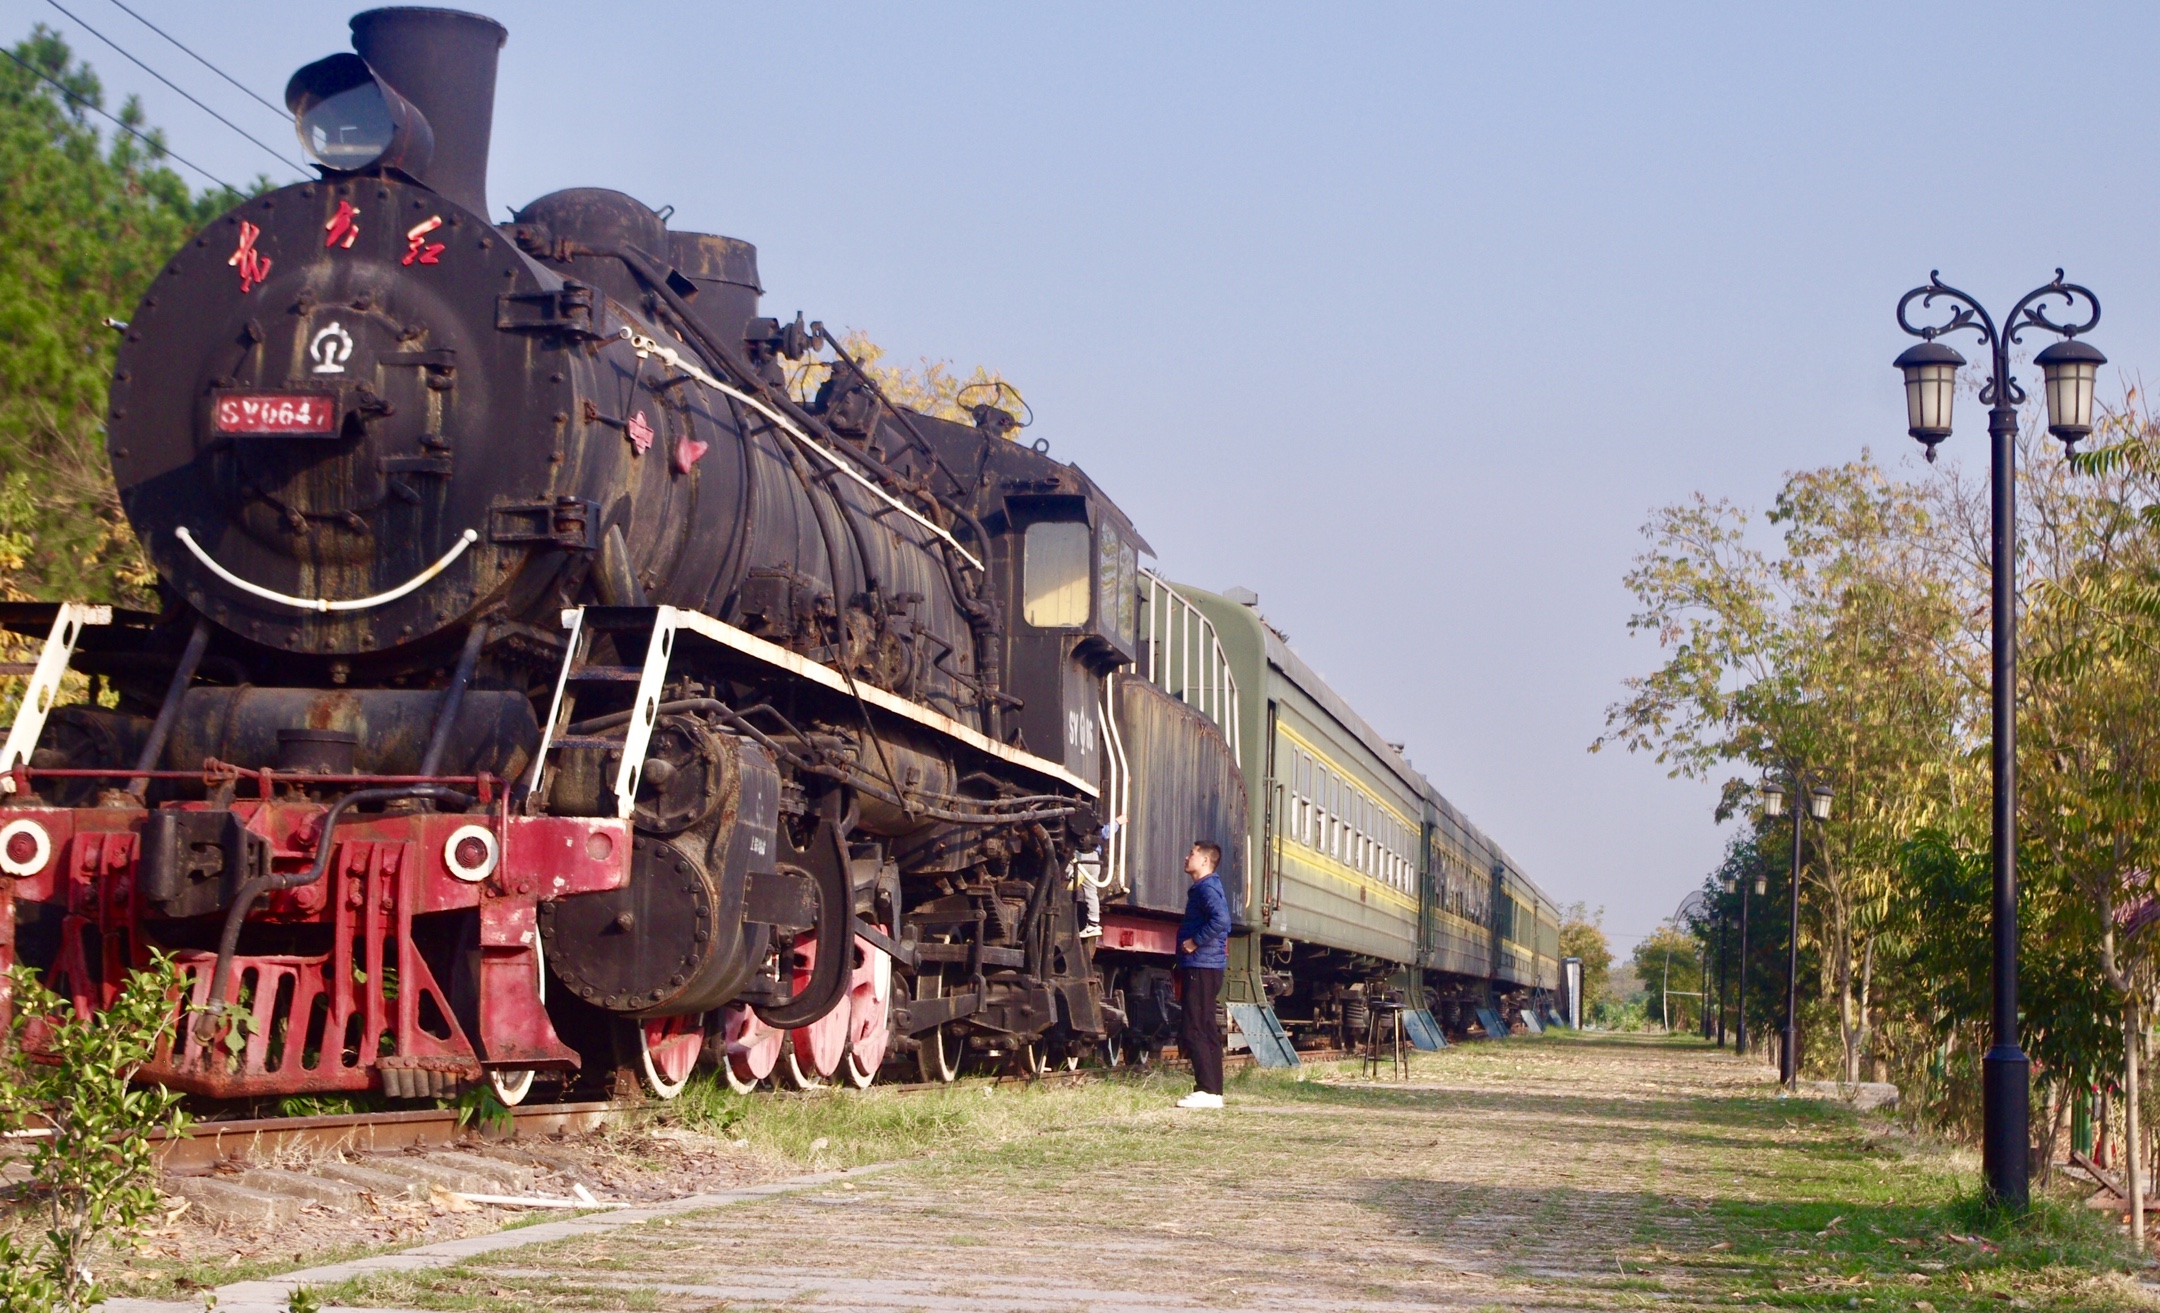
x=2069, y=368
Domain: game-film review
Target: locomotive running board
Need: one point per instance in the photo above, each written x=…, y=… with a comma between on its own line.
x=668, y=621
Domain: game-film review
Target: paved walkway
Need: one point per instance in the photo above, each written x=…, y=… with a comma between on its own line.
x=1562, y=1174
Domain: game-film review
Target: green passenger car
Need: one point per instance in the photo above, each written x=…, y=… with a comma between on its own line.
x=1365, y=883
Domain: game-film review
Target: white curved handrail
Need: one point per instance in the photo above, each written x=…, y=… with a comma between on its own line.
x=1185, y=656
x=324, y=604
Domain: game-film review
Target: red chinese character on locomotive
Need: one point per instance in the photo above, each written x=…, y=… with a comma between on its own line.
x=253, y=265
x=418, y=247
x=344, y=226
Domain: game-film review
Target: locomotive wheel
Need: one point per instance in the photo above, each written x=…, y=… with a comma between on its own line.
x=752, y=1049
x=794, y=1074
x=814, y=1052
x=667, y=1051
x=869, y=1013
x=511, y=1086
x=939, y=1051
x=1032, y=1059
x=1111, y=1051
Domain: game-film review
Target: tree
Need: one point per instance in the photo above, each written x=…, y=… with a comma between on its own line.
x=1582, y=934
x=1823, y=662
x=85, y=224
x=1669, y=964
x=931, y=387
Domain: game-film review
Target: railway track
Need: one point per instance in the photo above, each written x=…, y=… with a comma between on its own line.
x=208, y=1142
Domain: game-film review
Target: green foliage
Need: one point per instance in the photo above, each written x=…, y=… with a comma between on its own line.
x=1612, y=1014
x=92, y=1176
x=1668, y=960
x=85, y=224
x=1844, y=635
x=481, y=1109
x=1582, y=934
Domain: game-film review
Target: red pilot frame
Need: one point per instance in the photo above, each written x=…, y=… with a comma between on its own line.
x=413, y=964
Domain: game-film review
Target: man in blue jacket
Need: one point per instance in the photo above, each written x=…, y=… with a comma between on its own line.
x=1203, y=956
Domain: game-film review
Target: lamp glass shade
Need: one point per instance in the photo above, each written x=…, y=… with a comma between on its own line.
x=1773, y=800
x=1762, y=886
x=1730, y=885
x=1819, y=802
x=1931, y=371
x=2069, y=369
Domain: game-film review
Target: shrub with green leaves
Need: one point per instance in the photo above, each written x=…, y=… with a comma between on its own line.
x=92, y=1174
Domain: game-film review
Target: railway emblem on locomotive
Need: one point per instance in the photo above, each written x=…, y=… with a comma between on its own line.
x=330, y=348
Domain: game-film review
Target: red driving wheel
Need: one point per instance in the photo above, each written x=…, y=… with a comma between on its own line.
x=669, y=1048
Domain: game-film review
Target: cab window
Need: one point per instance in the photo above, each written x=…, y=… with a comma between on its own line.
x=1056, y=575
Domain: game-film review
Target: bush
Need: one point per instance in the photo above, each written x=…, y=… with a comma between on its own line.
x=92, y=1177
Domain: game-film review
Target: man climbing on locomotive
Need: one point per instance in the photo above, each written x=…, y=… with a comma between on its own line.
x=1203, y=957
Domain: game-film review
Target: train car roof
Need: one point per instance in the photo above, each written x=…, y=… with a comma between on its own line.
x=1308, y=681
x=1293, y=667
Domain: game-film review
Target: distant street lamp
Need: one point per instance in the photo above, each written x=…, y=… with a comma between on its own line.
x=1724, y=914
x=2069, y=368
x=1818, y=806
x=1740, y=972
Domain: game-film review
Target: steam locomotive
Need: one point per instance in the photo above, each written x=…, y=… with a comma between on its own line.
x=544, y=693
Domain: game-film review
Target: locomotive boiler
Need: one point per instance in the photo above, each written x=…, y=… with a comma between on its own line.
x=541, y=689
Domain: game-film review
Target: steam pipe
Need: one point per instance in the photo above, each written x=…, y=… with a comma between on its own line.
x=169, y=710
x=453, y=700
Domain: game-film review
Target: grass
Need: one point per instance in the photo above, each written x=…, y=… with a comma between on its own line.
x=850, y=1128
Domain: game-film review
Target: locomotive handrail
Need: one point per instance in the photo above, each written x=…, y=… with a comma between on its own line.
x=676, y=620
x=1186, y=628
x=324, y=604
x=45, y=677
x=647, y=346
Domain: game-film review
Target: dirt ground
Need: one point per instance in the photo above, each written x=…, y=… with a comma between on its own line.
x=1567, y=1173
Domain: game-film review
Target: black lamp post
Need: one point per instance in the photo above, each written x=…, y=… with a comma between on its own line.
x=1724, y=915
x=1740, y=973
x=1818, y=806
x=2069, y=368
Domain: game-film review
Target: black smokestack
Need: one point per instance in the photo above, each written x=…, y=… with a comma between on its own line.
x=443, y=61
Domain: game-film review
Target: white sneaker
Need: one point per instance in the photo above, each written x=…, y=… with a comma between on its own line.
x=1200, y=1099
x=1091, y=932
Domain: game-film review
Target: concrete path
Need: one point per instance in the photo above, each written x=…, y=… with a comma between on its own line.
x=1566, y=1173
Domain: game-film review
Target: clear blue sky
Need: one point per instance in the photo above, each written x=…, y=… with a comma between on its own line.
x=1402, y=316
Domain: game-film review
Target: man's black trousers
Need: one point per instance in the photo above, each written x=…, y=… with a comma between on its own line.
x=1200, y=1037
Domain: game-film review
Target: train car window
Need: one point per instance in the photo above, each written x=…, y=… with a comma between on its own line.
x=1057, y=575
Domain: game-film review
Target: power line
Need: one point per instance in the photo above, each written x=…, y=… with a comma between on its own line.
x=156, y=146
x=250, y=91
x=175, y=86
